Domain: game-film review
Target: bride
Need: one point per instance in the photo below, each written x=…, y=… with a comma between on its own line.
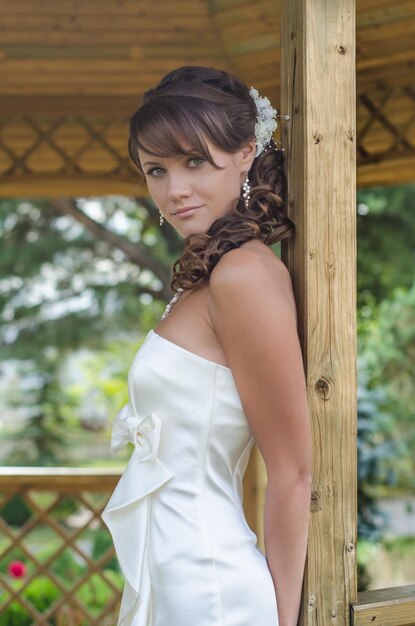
x=202, y=143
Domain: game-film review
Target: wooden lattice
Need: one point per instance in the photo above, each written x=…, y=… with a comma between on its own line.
x=50, y=526
x=71, y=144
x=386, y=135
x=65, y=155
x=386, y=123
x=87, y=155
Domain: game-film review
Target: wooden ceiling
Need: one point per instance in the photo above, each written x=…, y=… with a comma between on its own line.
x=72, y=71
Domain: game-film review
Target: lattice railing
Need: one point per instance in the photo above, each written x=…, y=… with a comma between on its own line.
x=57, y=561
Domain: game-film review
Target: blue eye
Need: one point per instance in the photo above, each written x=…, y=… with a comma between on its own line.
x=154, y=169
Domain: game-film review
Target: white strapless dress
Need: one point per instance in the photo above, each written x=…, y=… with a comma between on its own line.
x=186, y=552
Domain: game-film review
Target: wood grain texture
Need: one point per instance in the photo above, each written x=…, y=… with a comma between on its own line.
x=391, y=606
x=43, y=492
x=99, y=56
x=318, y=92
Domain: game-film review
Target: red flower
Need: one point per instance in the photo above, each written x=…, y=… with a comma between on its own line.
x=17, y=569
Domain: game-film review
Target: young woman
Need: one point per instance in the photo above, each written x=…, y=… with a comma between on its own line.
x=223, y=369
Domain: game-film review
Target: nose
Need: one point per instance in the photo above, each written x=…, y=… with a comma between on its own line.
x=178, y=188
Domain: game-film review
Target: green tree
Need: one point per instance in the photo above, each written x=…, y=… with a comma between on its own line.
x=74, y=273
x=386, y=305
x=385, y=250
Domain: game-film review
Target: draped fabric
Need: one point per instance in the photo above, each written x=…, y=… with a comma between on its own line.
x=176, y=517
x=128, y=508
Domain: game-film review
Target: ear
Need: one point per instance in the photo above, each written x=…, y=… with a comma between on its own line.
x=247, y=155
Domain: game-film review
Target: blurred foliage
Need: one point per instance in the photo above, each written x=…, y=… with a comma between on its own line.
x=102, y=543
x=43, y=438
x=389, y=349
x=15, y=512
x=386, y=311
x=387, y=563
x=386, y=245
x=377, y=454
x=67, y=284
x=63, y=288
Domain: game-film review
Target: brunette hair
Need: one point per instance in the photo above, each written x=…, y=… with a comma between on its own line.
x=189, y=104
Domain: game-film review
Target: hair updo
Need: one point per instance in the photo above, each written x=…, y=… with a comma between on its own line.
x=192, y=103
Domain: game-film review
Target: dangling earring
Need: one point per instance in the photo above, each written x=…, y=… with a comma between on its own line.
x=161, y=218
x=246, y=191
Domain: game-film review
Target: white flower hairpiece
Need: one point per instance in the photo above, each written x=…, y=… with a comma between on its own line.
x=265, y=122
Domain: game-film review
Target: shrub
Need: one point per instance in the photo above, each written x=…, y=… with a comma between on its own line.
x=16, y=512
x=66, y=567
x=94, y=593
x=15, y=615
x=102, y=542
x=41, y=592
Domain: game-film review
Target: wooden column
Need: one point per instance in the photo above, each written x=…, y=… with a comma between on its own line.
x=318, y=92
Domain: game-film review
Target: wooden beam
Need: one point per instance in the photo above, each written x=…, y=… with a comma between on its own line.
x=58, y=185
x=391, y=606
x=18, y=478
x=318, y=92
x=381, y=172
x=29, y=104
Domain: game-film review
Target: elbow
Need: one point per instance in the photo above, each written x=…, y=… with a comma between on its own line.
x=305, y=478
x=294, y=477
x=305, y=474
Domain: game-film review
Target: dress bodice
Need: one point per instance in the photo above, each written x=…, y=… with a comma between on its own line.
x=191, y=444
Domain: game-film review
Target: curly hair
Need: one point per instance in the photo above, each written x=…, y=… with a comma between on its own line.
x=192, y=103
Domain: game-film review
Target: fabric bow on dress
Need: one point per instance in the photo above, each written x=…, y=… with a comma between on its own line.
x=143, y=433
x=127, y=512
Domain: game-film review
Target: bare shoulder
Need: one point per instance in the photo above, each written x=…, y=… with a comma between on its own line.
x=255, y=252
x=252, y=311
x=251, y=270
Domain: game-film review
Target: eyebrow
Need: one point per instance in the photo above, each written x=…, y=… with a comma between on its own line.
x=150, y=163
x=180, y=156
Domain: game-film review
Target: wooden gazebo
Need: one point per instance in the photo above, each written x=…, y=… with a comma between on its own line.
x=73, y=72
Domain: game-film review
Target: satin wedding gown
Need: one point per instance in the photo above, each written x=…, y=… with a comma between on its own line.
x=186, y=552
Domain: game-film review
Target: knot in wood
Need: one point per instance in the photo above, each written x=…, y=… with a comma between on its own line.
x=315, y=502
x=322, y=387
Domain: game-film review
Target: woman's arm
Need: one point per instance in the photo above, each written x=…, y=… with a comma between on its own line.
x=252, y=309
x=285, y=529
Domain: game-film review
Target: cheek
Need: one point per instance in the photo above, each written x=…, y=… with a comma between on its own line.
x=223, y=181
x=227, y=185
x=155, y=190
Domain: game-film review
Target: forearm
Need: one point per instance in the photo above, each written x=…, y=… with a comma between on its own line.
x=286, y=519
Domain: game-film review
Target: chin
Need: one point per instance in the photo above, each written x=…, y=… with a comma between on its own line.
x=192, y=229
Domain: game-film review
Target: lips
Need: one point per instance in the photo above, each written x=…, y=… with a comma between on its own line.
x=184, y=209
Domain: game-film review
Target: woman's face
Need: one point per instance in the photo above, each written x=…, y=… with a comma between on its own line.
x=189, y=181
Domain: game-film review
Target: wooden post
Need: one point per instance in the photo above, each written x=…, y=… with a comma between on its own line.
x=318, y=92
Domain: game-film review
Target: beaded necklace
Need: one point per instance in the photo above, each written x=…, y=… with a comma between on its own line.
x=172, y=303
